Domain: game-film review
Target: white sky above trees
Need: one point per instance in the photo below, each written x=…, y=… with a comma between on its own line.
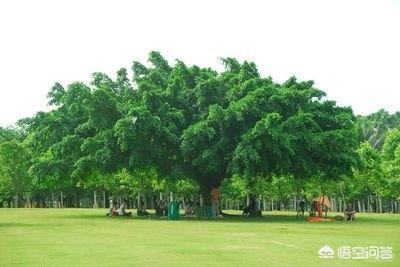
x=351, y=49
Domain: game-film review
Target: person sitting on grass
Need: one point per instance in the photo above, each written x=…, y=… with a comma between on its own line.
x=251, y=207
x=164, y=208
x=111, y=211
x=142, y=210
x=349, y=213
x=122, y=212
x=159, y=208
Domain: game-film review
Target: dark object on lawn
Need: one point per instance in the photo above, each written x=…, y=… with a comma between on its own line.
x=339, y=218
x=349, y=212
x=253, y=209
x=255, y=213
x=301, y=209
x=141, y=211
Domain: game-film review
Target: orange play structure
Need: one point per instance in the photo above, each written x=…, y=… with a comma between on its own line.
x=319, y=205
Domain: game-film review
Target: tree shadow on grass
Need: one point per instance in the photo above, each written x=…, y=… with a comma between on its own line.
x=81, y=216
x=236, y=218
x=229, y=218
x=273, y=218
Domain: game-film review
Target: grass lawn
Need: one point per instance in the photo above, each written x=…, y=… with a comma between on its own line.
x=83, y=237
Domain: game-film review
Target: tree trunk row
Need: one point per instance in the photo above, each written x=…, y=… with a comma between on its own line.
x=371, y=204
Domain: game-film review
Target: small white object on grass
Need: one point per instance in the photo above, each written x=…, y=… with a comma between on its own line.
x=134, y=119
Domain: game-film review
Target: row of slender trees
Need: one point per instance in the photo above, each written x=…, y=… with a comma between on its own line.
x=177, y=131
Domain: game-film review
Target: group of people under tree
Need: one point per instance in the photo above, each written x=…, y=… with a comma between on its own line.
x=318, y=208
x=161, y=208
x=121, y=211
x=253, y=209
x=191, y=208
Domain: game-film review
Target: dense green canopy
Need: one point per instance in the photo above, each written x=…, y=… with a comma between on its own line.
x=199, y=123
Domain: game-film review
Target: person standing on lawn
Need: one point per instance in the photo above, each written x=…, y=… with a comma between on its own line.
x=215, y=194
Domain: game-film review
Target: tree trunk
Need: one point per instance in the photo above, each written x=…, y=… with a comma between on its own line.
x=335, y=206
x=61, y=199
x=95, y=206
x=104, y=199
x=52, y=199
x=368, y=203
x=183, y=202
x=391, y=206
x=205, y=190
x=338, y=205
x=376, y=204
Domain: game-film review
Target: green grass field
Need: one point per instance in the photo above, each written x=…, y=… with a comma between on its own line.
x=78, y=237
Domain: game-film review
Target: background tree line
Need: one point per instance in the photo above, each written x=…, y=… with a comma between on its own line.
x=177, y=131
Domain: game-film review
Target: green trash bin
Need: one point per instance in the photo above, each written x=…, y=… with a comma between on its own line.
x=173, y=210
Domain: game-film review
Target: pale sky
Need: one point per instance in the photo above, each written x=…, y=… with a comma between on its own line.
x=351, y=49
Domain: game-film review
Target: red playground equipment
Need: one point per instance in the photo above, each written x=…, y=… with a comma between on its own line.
x=319, y=209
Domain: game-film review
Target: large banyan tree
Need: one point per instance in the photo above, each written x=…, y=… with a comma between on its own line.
x=187, y=121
